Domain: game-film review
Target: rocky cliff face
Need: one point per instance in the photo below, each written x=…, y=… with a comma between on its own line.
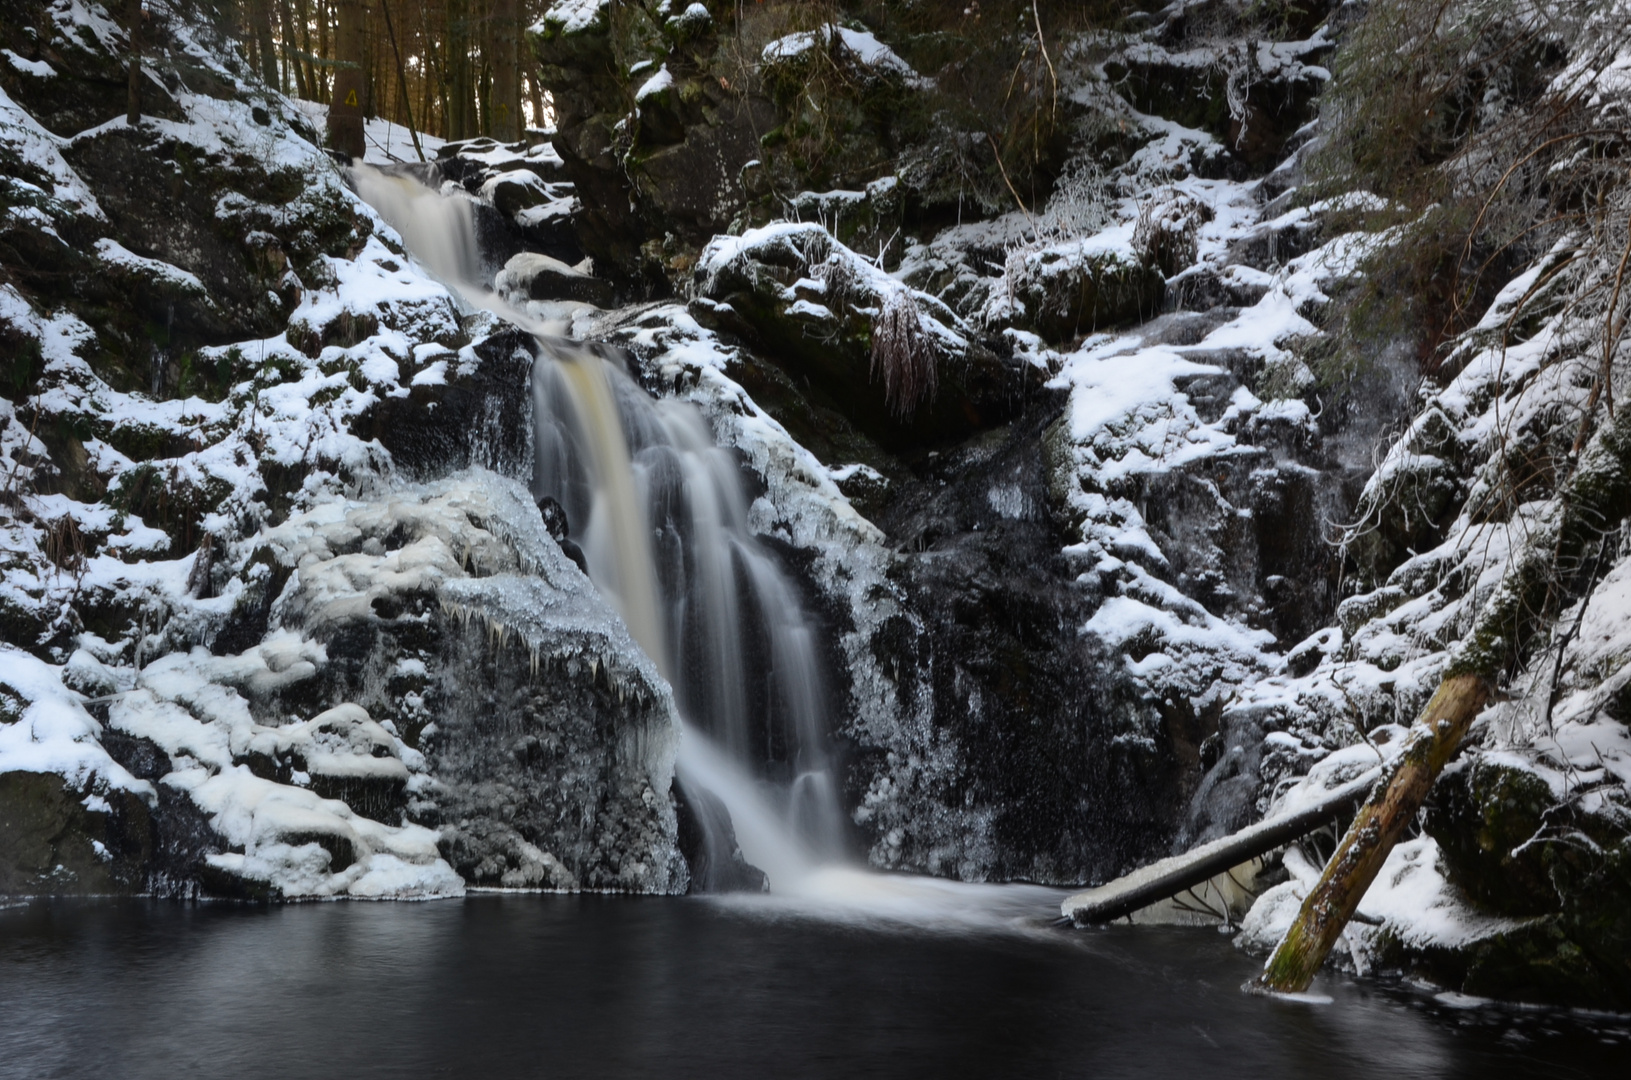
x=241, y=646
x=1037, y=402
x=1091, y=531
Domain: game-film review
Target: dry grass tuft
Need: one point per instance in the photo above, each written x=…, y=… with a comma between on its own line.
x=902, y=355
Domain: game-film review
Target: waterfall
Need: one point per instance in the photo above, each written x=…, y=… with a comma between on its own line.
x=661, y=516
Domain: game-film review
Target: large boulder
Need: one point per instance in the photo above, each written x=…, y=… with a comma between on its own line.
x=442, y=697
x=898, y=364
x=530, y=276
x=1519, y=847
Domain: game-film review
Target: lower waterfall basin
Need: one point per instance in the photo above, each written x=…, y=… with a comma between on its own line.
x=511, y=985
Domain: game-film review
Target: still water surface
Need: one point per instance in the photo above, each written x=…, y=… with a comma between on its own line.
x=507, y=986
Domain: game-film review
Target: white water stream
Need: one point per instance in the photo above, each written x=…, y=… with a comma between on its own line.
x=661, y=516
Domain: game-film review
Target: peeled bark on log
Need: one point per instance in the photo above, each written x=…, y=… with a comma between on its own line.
x=1538, y=581
x=1376, y=828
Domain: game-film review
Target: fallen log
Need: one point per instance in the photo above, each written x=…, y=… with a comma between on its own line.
x=1169, y=877
x=1538, y=582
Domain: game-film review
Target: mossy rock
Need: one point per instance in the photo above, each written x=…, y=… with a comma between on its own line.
x=1067, y=295
x=1483, y=817
x=1517, y=849
x=168, y=500
x=51, y=843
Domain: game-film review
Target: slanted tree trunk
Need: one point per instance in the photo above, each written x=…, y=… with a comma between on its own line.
x=133, y=27
x=345, y=111
x=1539, y=581
x=401, y=78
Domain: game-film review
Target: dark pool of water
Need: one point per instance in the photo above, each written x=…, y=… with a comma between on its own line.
x=541, y=986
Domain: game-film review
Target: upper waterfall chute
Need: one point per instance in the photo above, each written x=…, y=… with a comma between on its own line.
x=439, y=230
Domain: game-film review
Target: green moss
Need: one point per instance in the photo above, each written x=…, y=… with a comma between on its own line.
x=1517, y=850
x=167, y=501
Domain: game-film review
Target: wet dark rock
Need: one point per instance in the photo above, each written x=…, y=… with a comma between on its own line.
x=530, y=276
x=1080, y=776
x=479, y=416
x=1179, y=88
x=1226, y=799
x=707, y=839
x=52, y=842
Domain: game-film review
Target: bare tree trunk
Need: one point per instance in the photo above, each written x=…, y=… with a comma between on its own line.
x=537, y=91
x=435, y=86
x=460, y=123
x=133, y=27
x=345, y=111
x=260, y=31
x=291, y=49
x=504, y=107
x=316, y=75
x=1541, y=578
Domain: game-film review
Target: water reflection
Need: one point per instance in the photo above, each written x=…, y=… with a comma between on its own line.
x=527, y=986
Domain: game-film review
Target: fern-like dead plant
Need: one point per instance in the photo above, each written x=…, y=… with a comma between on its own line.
x=903, y=355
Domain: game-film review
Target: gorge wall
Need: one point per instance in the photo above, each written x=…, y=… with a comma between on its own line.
x=1120, y=523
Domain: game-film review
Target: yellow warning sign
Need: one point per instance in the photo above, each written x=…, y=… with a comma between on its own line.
x=503, y=110
x=351, y=98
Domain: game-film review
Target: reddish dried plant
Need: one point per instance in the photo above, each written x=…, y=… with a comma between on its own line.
x=903, y=355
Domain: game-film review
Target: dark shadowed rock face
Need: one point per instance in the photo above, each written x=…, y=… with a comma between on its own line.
x=811, y=308
x=52, y=842
x=1073, y=774
x=545, y=778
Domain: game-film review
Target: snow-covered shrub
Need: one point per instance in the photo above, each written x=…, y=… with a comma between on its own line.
x=1082, y=204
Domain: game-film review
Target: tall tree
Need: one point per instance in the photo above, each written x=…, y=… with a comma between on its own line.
x=291, y=57
x=319, y=78
x=259, y=13
x=460, y=121
x=345, y=111
x=401, y=78
x=504, y=107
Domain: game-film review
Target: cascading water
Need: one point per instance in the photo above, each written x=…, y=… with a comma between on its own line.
x=664, y=522
x=662, y=517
